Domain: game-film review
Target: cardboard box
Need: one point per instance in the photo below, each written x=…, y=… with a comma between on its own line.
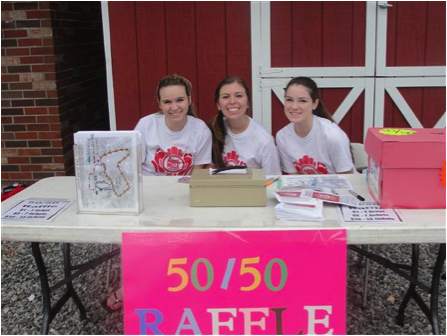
x=232, y=190
x=406, y=167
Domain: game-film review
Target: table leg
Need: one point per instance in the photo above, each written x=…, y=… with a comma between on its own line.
x=411, y=289
x=49, y=312
x=430, y=312
x=46, y=299
x=70, y=288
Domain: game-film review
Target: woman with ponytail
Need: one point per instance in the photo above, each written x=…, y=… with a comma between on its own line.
x=238, y=139
x=312, y=143
x=174, y=141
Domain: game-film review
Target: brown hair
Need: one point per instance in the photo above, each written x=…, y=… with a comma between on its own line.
x=182, y=81
x=312, y=87
x=217, y=125
x=321, y=110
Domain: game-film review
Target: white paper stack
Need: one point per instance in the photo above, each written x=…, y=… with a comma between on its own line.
x=299, y=209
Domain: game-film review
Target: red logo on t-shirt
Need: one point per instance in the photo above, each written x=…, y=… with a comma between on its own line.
x=307, y=165
x=172, y=162
x=232, y=159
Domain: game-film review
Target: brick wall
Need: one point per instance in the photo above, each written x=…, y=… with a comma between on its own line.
x=53, y=84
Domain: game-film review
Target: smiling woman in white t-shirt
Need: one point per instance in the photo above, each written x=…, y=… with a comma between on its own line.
x=312, y=143
x=237, y=139
x=174, y=141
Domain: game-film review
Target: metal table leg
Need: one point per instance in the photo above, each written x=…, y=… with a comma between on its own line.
x=432, y=312
x=50, y=312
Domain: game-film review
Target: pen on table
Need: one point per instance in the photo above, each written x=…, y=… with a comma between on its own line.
x=269, y=182
x=353, y=193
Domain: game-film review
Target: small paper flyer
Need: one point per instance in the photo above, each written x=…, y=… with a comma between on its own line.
x=36, y=209
x=370, y=212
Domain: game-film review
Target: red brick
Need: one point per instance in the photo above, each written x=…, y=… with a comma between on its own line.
x=50, y=76
x=19, y=68
x=38, y=14
x=47, y=119
x=16, y=160
x=6, y=120
x=53, y=110
x=60, y=174
x=39, y=176
x=50, y=135
x=6, y=103
x=23, y=102
x=26, y=136
x=47, y=102
x=15, y=144
x=5, y=176
x=10, y=78
x=38, y=127
x=51, y=151
x=12, y=112
x=18, y=52
x=58, y=159
x=31, y=168
x=52, y=93
x=8, y=25
x=36, y=110
x=32, y=60
x=10, y=168
x=44, y=68
x=47, y=23
x=39, y=143
x=12, y=94
x=56, y=127
x=27, y=23
x=29, y=152
x=44, y=5
x=21, y=176
x=6, y=6
x=24, y=120
x=50, y=59
x=35, y=94
x=15, y=33
x=42, y=159
x=14, y=128
x=42, y=51
x=9, y=43
x=48, y=42
x=30, y=42
x=20, y=86
x=25, y=5
x=7, y=136
x=56, y=144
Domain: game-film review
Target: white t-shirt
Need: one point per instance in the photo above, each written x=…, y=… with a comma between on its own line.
x=165, y=152
x=325, y=150
x=254, y=148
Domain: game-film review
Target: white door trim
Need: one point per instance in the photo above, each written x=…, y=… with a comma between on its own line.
x=109, y=69
x=391, y=85
x=265, y=78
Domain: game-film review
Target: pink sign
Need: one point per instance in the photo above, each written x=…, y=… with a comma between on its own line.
x=235, y=282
